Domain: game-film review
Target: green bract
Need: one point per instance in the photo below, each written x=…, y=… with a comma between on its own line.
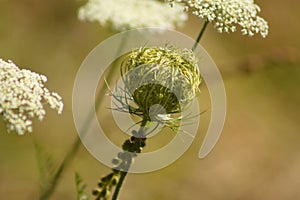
x=165, y=76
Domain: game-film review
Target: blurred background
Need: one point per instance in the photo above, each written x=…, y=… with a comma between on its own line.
x=258, y=154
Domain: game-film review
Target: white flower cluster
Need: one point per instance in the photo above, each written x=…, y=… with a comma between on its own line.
x=227, y=14
x=128, y=14
x=22, y=95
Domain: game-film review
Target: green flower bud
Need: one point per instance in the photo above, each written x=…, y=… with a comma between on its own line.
x=114, y=181
x=95, y=192
x=163, y=76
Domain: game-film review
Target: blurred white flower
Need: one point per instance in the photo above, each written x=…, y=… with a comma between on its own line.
x=227, y=14
x=129, y=14
x=22, y=96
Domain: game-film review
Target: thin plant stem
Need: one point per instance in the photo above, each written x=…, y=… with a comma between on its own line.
x=74, y=148
x=119, y=185
x=142, y=128
x=56, y=177
x=47, y=192
x=141, y=132
x=200, y=34
x=111, y=71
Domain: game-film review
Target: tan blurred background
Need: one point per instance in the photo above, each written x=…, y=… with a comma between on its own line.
x=258, y=154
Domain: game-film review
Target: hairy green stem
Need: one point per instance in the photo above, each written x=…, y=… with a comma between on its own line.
x=74, y=148
x=119, y=185
x=47, y=192
x=200, y=34
x=56, y=177
x=141, y=133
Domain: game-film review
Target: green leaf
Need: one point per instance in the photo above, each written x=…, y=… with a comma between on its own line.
x=81, y=195
x=45, y=165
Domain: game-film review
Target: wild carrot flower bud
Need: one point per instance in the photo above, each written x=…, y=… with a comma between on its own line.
x=163, y=76
x=128, y=14
x=227, y=14
x=22, y=96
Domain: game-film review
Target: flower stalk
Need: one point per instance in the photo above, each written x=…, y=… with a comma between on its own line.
x=163, y=76
x=200, y=35
x=57, y=175
x=131, y=148
x=124, y=173
x=47, y=192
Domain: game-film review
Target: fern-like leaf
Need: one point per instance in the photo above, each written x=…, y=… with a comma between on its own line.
x=45, y=165
x=80, y=187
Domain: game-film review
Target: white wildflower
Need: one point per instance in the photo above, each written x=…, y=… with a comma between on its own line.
x=226, y=15
x=22, y=96
x=129, y=14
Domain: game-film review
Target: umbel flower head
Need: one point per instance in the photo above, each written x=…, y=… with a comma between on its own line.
x=226, y=15
x=128, y=14
x=22, y=96
x=164, y=76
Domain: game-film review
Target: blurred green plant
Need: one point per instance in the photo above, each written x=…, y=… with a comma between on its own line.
x=80, y=188
x=45, y=165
